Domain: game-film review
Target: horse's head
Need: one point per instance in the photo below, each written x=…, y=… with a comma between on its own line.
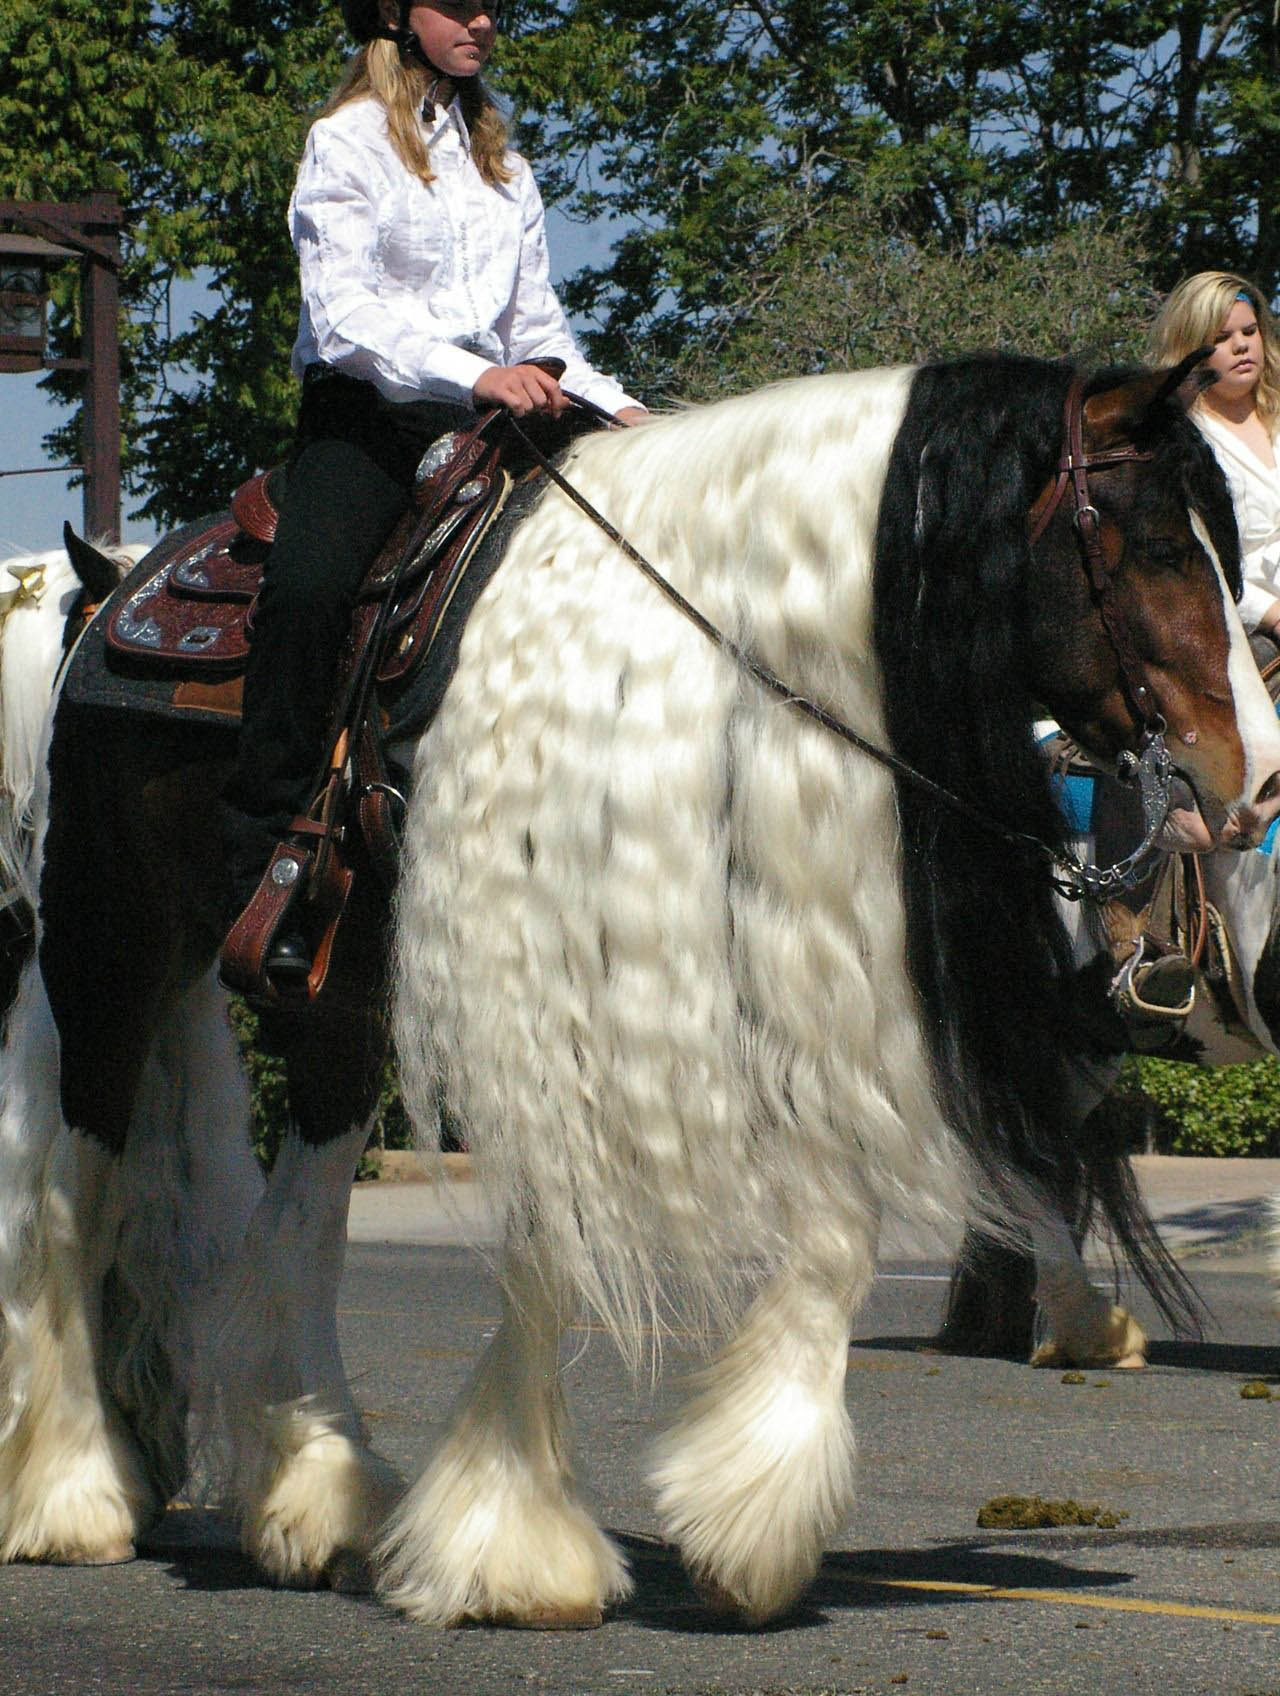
x=1139, y=629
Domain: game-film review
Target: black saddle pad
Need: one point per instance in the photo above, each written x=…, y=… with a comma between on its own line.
x=98, y=679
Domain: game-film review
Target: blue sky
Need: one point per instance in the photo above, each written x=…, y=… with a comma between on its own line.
x=32, y=509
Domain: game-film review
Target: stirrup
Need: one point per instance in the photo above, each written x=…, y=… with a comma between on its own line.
x=246, y=954
x=1154, y=994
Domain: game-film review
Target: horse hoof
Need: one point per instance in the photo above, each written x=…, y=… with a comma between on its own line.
x=349, y=1574
x=116, y=1554
x=1134, y=1362
x=586, y=1617
x=111, y=1554
x=722, y=1604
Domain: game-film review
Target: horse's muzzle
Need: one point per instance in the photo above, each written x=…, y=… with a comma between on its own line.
x=1247, y=825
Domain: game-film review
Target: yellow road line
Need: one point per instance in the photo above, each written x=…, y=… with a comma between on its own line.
x=1069, y=1598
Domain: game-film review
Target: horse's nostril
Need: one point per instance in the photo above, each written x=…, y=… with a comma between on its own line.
x=1269, y=791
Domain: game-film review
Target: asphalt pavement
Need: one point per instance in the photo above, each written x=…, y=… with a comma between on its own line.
x=1201, y=1206
x=1176, y=1591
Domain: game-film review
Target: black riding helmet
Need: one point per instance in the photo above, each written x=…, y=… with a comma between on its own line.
x=363, y=19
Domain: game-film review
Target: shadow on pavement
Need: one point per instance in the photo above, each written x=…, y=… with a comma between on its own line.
x=1252, y=1360
x=1246, y=1360
x=665, y=1600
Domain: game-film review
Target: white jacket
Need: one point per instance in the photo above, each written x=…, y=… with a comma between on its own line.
x=417, y=288
x=1255, y=492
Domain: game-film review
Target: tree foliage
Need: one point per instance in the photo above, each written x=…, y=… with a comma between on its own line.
x=1175, y=1108
x=995, y=124
x=851, y=290
x=194, y=114
x=959, y=157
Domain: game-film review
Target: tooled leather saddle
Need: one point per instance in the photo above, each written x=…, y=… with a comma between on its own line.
x=174, y=641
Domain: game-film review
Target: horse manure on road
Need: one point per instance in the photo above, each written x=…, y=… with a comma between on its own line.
x=1255, y=1391
x=1033, y=1513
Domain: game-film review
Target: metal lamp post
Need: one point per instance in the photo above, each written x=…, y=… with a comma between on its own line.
x=54, y=233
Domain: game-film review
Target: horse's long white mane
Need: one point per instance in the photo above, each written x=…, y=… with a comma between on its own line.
x=648, y=910
x=37, y=591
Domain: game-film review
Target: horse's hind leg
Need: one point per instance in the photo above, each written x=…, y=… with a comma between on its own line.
x=756, y=1472
x=73, y=1486
x=492, y=1530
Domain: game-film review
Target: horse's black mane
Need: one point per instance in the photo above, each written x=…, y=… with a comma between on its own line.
x=988, y=951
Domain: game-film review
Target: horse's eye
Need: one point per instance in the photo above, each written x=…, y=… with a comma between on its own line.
x=1161, y=551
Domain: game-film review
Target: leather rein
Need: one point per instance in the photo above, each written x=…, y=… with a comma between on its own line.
x=1151, y=768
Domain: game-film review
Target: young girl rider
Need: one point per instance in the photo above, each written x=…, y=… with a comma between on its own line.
x=425, y=293
x=1239, y=415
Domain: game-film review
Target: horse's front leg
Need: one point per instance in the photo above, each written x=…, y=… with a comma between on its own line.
x=756, y=1473
x=308, y=1492
x=73, y=1484
x=493, y=1530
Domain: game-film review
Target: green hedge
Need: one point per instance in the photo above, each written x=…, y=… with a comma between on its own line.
x=1172, y=1107
x=1161, y=1106
x=391, y=1129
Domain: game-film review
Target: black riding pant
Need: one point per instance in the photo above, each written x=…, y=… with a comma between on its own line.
x=348, y=481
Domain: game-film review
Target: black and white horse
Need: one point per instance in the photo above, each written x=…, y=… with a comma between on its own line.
x=705, y=989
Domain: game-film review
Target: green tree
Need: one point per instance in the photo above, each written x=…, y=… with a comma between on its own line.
x=727, y=143
x=850, y=289
x=194, y=114
x=987, y=124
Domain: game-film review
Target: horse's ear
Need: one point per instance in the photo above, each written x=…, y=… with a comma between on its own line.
x=1188, y=381
x=1117, y=414
x=97, y=571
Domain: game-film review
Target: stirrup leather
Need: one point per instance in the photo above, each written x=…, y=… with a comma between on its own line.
x=306, y=882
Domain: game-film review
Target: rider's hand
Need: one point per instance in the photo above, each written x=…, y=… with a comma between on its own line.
x=633, y=415
x=522, y=389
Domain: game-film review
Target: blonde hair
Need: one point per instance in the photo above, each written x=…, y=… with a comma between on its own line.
x=1193, y=315
x=379, y=72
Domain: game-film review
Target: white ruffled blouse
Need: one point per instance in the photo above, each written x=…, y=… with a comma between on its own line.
x=417, y=288
x=1255, y=492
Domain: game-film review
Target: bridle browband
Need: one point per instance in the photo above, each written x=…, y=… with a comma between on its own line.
x=1151, y=768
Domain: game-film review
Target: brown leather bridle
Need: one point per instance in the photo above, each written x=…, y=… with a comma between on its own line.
x=1073, y=472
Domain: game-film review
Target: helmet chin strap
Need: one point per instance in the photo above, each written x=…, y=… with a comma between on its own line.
x=410, y=47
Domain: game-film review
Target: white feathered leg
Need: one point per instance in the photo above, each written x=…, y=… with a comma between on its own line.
x=493, y=1530
x=309, y=1493
x=1081, y=1325
x=756, y=1473
x=73, y=1486
x=191, y=1182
